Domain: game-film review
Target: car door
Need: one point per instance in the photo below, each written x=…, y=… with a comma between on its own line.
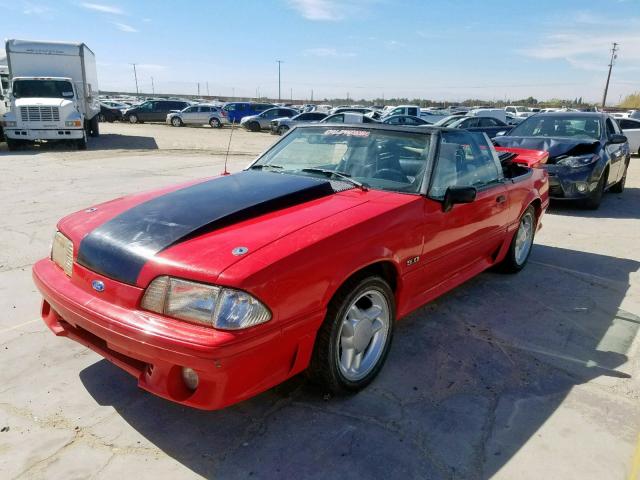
x=468, y=235
x=204, y=113
x=631, y=129
x=144, y=111
x=190, y=115
x=616, y=152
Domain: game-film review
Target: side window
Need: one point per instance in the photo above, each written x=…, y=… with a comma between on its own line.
x=397, y=111
x=488, y=122
x=469, y=123
x=337, y=118
x=191, y=110
x=148, y=106
x=205, y=109
x=464, y=160
x=412, y=111
x=611, y=130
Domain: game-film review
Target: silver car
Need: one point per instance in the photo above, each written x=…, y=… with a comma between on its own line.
x=282, y=125
x=255, y=123
x=201, y=114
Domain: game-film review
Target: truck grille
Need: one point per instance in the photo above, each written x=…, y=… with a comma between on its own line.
x=40, y=114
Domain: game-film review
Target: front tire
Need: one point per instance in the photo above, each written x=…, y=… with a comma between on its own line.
x=254, y=126
x=353, y=342
x=94, y=126
x=282, y=130
x=12, y=144
x=521, y=244
x=593, y=201
x=176, y=121
x=81, y=143
x=133, y=119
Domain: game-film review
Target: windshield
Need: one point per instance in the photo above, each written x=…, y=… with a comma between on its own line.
x=384, y=160
x=558, y=126
x=42, y=89
x=445, y=122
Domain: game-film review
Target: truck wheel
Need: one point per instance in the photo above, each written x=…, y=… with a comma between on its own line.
x=619, y=186
x=81, y=143
x=133, y=119
x=94, y=127
x=12, y=144
x=521, y=244
x=595, y=198
x=215, y=123
x=353, y=342
x=176, y=122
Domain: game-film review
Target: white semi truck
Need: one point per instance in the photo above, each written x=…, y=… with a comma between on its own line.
x=4, y=90
x=53, y=94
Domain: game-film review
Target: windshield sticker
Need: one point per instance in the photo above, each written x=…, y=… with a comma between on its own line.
x=348, y=133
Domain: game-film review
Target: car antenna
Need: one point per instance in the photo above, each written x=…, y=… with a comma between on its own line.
x=226, y=157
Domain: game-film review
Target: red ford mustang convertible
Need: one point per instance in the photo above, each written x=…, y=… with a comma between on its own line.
x=214, y=291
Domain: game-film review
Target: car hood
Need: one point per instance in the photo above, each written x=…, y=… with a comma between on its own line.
x=45, y=102
x=194, y=230
x=555, y=146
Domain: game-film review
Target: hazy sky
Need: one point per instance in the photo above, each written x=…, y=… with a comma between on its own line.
x=445, y=49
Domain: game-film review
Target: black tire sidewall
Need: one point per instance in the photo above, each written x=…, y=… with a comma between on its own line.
x=334, y=378
x=510, y=264
x=133, y=119
x=215, y=123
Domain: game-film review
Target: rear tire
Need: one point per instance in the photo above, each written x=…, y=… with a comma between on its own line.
x=353, y=342
x=133, y=119
x=215, y=123
x=619, y=186
x=595, y=198
x=521, y=244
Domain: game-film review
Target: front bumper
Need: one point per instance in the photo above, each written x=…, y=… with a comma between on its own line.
x=44, y=134
x=230, y=367
x=567, y=183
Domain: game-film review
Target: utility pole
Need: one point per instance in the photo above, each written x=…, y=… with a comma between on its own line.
x=135, y=75
x=606, y=87
x=312, y=95
x=292, y=95
x=153, y=87
x=279, y=94
x=207, y=89
x=198, y=89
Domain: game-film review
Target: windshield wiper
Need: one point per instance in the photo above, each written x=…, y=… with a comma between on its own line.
x=263, y=166
x=341, y=175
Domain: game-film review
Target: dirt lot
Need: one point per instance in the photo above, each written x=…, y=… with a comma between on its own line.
x=528, y=376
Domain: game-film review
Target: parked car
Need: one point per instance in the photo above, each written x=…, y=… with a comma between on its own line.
x=109, y=114
x=518, y=111
x=255, y=123
x=349, y=117
x=412, y=110
x=203, y=114
x=213, y=292
x=237, y=110
x=282, y=125
x=118, y=105
x=407, y=120
x=362, y=110
x=588, y=154
x=631, y=129
x=489, y=125
x=153, y=110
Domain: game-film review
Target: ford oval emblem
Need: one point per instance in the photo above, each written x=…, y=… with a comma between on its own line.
x=98, y=285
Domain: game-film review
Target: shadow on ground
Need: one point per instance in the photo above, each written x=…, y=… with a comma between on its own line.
x=614, y=205
x=469, y=380
x=107, y=141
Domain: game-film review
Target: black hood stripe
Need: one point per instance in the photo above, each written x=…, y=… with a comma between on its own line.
x=120, y=247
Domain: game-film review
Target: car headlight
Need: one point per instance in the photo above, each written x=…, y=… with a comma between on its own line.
x=210, y=305
x=62, y=252
x=578, y=161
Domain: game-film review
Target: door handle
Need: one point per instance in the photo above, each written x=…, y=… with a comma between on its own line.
x=501, y=199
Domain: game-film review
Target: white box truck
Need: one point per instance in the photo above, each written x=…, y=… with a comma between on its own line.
x=54, y=93
x=4, y=90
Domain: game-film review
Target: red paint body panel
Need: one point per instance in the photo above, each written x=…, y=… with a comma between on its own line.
x=298, y=257
x=529, y=158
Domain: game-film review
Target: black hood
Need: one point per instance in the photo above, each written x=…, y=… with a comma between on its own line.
x=120, y=247
x=555, y=146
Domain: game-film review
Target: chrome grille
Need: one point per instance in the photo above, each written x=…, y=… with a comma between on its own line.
x=40, y=114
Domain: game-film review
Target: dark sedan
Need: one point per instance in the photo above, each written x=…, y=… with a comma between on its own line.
x=588, y=154
x=109, y=114
x=489, y=125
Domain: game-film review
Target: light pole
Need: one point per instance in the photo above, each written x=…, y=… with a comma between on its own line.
x=606, y=87
x=135, y=75
x=153, y=87
x=279, y=94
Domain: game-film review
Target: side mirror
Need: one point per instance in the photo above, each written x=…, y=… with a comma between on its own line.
x=456, y=195
x=617, y=138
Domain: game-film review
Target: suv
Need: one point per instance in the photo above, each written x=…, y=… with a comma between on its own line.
x=255, y=123
x=237, y=110
x=199, y=115
x=153, y=110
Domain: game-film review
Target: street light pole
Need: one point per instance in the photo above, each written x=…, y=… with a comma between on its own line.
x=606, y=87
x=135, y=75
x=279, y=93
x=153, y=87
